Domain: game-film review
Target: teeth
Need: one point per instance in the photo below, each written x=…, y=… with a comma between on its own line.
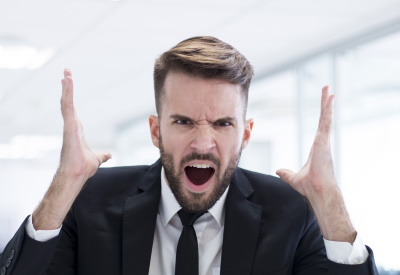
x=200, y=166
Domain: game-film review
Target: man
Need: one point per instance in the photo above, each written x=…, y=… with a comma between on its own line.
x=128, y=220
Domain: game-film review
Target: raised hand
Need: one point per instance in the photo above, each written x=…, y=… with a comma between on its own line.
x=317, y=174
x=77, y=159
x=77, y=164
x=316, y=180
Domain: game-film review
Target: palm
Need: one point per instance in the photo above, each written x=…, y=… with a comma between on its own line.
x=317, y=175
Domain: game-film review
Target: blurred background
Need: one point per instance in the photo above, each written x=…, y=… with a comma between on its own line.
x=296, y=47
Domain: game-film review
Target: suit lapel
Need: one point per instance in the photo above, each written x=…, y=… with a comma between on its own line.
x=242, y=223
x=139, y=221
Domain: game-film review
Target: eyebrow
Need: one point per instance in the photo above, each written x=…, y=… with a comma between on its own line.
x=227, y=119
x=223, y=119
x=180, y=117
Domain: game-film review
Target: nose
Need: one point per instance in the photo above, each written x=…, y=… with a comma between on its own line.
x=203, y=140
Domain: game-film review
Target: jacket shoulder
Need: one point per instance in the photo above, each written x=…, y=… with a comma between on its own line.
x=111, y=183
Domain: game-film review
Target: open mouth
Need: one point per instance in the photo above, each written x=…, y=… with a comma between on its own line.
x=199, y=174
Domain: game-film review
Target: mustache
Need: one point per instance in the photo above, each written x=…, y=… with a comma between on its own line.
x=197, y=156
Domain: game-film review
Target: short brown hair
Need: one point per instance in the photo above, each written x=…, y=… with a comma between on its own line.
x=206, y=57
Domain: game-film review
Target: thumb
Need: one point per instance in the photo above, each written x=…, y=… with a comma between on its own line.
x=103, y=156
x=286, y=175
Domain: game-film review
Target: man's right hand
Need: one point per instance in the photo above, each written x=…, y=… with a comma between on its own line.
x=77, y=164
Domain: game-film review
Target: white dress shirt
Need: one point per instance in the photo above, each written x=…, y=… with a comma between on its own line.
x=209, y=230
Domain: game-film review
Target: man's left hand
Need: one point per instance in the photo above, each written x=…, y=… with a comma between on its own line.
x=316, y=180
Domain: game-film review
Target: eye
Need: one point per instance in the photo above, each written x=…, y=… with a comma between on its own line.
x=182, y=122
x=223, y=123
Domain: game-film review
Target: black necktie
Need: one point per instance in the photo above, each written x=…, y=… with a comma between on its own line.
x=187, y=253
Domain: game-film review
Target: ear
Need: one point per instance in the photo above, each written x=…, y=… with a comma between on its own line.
x=248, y=127
x=154, y=130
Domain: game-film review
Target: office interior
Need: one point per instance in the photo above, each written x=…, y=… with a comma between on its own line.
x=296, y=47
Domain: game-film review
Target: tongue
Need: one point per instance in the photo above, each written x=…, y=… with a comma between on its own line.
x=199, y=176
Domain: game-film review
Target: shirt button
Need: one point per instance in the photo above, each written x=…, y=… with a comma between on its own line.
x=12, y=253
x=8, y=263
x=3, y=270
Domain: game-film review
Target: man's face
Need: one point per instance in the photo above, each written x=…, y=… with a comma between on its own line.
x=201, y=132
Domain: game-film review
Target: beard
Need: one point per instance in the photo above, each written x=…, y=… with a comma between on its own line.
x=197, y=202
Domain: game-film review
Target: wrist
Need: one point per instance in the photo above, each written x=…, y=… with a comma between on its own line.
x=45, y=217
x=77, y=177
x=58, y=200
x=332, y=216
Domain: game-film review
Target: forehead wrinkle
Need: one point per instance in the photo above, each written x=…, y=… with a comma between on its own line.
x=202, y=98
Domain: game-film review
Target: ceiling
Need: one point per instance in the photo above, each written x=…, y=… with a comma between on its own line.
x=110, y=46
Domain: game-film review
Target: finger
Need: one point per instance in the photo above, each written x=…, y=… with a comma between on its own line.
x=67, y=72
x=286, y=175
x=327, y=117
x=103, y=156
x=67, y=104
x=324, y=97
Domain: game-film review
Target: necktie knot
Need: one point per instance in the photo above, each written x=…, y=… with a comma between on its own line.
x=188, y=218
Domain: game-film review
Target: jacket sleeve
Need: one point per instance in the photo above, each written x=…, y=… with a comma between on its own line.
x=312, y=260
x=64, y=261
x=23, y=255
x=367, y=268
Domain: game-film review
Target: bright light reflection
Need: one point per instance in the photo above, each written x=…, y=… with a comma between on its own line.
x=29, y=147
x=16, y=57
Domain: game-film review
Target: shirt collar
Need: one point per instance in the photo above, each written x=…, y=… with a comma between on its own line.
x=169, y=205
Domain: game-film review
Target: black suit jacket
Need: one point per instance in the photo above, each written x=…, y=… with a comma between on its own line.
x=269, y=229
